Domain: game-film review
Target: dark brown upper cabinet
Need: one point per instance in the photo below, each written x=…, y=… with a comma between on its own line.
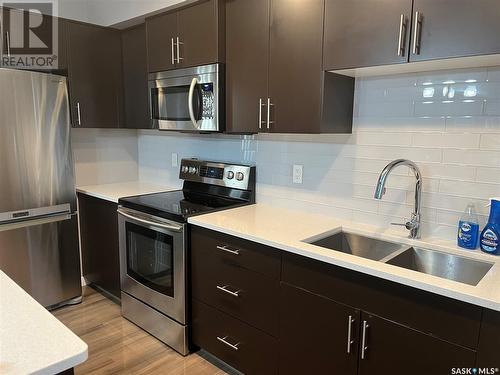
x=135, y=78
x=275, y=80
x=360, y=33
x=247, y=60
x=454, y=28
x=302, y=98
x=185, y=37
x=94, y=75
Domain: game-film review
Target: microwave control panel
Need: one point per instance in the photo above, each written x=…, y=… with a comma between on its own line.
x=207, y=101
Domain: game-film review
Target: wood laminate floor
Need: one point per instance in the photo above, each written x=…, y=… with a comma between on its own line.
x=117, y=346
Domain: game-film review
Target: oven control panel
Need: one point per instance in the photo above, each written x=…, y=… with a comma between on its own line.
x=215, y=173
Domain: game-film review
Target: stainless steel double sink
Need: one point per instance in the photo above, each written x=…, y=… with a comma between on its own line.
x=444, y=265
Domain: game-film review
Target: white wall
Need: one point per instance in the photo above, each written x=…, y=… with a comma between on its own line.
x=104, y=156
x=448, y=122
x=110, y=12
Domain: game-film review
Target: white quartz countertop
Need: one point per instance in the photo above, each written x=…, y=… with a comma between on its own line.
x=32, y=340
x=287, y=230
x=113, y=192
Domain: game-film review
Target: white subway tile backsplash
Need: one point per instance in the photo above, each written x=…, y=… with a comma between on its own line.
x=448, y=122
x=490, y=142
x=472, y=157
x=445, y=140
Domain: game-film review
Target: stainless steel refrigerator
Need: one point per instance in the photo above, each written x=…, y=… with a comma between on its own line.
x=38, y=222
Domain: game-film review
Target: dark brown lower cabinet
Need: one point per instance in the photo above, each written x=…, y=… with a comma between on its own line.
x=390, y=348
x=330, y=320
x=489, y=340
x=317, y=335
x=99, y=240
x=243, y=347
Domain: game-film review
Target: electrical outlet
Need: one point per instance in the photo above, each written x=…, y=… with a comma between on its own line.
x=175, y=160
x=298, y=173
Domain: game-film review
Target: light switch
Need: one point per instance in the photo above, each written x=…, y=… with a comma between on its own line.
x=175, y=160
x=298, y=173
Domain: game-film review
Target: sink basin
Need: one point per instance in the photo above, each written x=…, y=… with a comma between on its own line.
x=447, y=266
x=361, y=246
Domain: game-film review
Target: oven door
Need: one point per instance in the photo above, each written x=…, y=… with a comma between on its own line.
x=185, y=100
x=152, y=261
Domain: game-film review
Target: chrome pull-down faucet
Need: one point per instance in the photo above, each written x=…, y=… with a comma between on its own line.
x=414, y=224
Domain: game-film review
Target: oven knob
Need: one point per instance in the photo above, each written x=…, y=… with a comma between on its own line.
x=185, y=169
x=240, y=176
x=230, y=175
x=192, y=170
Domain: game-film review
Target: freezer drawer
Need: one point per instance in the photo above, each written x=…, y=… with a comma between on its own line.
x=42, y=256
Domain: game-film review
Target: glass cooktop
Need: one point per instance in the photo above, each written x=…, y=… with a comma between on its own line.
x=178, y=205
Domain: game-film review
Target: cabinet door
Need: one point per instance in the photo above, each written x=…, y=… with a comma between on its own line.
x=247, y=56
x=317, y=335
x=198, y=33
x=454, y=28
x=489, y=340
x=390, y=348
x=94, y=74
x=295, y=65
x=161, y=33
x=135, y=79
x=99, y=240
x=366, y=33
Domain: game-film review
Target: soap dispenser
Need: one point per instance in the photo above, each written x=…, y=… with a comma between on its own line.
x=490, y=235
x=468, y=228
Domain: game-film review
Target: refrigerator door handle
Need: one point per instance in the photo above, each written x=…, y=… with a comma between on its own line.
x=35, y=222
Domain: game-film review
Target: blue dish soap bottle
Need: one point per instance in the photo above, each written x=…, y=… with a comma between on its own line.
x=468, y=229
x=490, y=236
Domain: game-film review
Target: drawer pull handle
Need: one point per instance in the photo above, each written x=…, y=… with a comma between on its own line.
x=225, y=342
x=227, y=249
x=226, y=290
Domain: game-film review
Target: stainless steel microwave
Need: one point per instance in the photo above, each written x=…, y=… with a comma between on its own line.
x=188, y=99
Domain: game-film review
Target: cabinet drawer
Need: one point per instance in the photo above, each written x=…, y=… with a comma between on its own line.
x=443, y=317
x=244, y=294
x=237, y=252
x=239, y=345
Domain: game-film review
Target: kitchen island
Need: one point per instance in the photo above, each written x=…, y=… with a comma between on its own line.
x=32, y=340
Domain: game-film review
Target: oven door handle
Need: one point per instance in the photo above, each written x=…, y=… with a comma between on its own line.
x=194, y=82
x=153, y=224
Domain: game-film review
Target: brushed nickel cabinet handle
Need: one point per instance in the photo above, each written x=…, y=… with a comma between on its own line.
x=402, y=35
x=350, y=341
x=261, y=104
x=226, y=290
x=173, y=51
x=364, y=347
x=417, y=33
x=227, y=249
x=179, y=58
x=78, y=114
x=7, y=38
x=227, y=343
x=269, y=105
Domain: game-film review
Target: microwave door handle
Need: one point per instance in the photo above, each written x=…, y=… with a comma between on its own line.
x=147, y=222
x=190, y=102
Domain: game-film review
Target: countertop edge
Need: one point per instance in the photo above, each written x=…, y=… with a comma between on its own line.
x=66, y=364
x=463, y=297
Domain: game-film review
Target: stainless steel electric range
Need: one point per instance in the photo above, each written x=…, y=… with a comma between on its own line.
x=154, y=241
